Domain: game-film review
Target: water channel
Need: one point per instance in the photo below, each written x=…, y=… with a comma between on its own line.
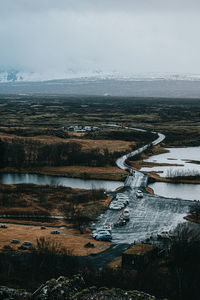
x=187, y=160
x=11, y=178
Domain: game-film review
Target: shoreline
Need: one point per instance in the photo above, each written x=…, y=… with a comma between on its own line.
x=156, y=178
x=191, y=219
x=81, y=172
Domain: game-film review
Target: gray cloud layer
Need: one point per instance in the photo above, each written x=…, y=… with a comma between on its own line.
x=101, y=6
x=127, y=36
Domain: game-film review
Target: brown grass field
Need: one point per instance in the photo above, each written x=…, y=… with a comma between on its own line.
x=69, y=239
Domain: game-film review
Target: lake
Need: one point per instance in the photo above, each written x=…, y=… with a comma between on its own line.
x=11, y=178
x=181, y=157
x=176, y=190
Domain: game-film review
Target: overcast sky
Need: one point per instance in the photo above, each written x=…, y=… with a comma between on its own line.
x=127, y=36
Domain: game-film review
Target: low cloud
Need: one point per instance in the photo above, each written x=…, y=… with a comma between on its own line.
x=80, y=35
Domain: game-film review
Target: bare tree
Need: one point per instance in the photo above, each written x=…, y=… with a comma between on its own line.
x=185, y=260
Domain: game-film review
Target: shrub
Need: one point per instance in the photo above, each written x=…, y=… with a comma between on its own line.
x=50, y=247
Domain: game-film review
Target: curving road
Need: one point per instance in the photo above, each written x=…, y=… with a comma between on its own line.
x=149, y=215
x=121, y=162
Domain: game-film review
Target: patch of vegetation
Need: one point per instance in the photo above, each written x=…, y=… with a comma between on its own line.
x=124, y=135
x=34, y=131
x=49, y=247
x=36, y=201
x=182, y=173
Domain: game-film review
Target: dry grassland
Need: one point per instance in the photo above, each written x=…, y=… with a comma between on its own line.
x=68, y=238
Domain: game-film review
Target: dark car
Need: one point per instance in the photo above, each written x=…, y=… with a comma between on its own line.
x=15, y=241
x=3, y=226
x=55, y=232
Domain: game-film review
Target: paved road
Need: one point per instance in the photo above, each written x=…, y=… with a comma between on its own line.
x=121, y=161
x=149, y=215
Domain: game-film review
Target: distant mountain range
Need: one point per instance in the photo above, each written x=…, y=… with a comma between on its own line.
x=14, y=75
x=99, y=83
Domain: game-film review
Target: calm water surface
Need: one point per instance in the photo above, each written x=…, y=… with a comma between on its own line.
x=180, y=156
x=176, y=190
x=9, y=178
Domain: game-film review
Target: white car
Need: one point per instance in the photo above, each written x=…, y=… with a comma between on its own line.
x=99, y=232
x=119, y=200
x=107, y=228
x=126, y=214
x=123, y=200
x=121, y=196
x=116, y=203
x=126, y=199
x=116, y=206
x=139, y=194
x=121, y=204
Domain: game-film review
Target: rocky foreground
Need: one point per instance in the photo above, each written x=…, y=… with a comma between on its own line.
x=72, y=289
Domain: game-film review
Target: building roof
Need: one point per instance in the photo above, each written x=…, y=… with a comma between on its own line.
x=139, y=249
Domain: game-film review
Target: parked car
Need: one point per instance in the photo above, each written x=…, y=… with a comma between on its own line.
x=139, y=194
x=116, y=206
x=104, y=237
x=122, y=202
x=23, y=247
x=3, y=226
x=27, y=243
x=121, y=196
x=100, y=231
x=125, y=199
x=107, y=228
x=55, y=232
x=120, y=222
x=15, y=241
x=126, y=214
x=7, y=247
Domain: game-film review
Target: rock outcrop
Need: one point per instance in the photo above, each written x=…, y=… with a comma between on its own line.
x=72, y=289
x=13, y=294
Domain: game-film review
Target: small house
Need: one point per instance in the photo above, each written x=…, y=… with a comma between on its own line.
x=138, y=256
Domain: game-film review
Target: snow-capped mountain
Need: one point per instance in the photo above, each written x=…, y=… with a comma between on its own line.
x=101, y=83
x=13, y=75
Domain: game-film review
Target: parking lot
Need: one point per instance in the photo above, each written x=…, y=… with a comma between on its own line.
x=149, y=215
